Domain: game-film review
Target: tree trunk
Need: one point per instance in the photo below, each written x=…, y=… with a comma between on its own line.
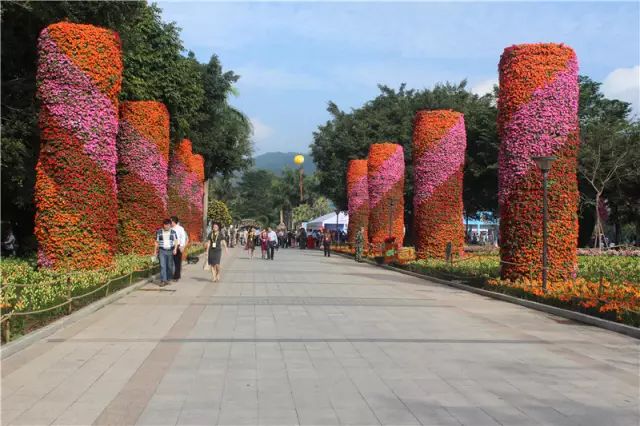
x=597, y=230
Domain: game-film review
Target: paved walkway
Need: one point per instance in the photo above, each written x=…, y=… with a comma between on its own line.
x=309, y=340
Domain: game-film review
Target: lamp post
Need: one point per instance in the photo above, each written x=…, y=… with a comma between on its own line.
x=337, y=224
x=544, y=163
x=299, y=160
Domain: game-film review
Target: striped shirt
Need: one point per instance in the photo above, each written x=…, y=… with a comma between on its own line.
x=166, y=243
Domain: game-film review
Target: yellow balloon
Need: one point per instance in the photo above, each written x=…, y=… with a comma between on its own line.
x=298, y=159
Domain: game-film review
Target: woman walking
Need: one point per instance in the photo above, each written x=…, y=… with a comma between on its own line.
x=214, y=245
x=251, y=242
x=264, y=242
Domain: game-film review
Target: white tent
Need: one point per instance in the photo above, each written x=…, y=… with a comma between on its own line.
x=328, y=221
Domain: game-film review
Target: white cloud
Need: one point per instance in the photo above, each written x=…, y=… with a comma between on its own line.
x=261, y=131
x=624, y=84
x=484, y=87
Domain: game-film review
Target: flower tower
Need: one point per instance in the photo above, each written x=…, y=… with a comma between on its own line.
x=538, y=116
x=143, y=155
x=186, y=189
x=357, y=198
x=385, y=180
x=439, y=144
x=78, y=79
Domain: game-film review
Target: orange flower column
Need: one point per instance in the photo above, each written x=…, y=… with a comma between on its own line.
x=358, y=198
x=385, y=175
x=439, y=144
x=186, y=190
x=143, y=153
x=78, y=80
x=538, y=116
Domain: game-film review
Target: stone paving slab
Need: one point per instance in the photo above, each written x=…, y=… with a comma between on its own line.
x=311, y=340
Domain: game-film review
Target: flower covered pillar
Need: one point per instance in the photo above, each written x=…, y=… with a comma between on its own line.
x=78, y=79
x=185, y=189
x=357, y=198
x=439, y=143
x=385, y=179
x=538, y=116
x=143, y=153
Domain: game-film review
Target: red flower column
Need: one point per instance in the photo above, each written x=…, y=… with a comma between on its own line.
x=439, y=144
x=385, y=175
x=538, y=116
x=186, y=190
x=358, y=198
x=143, y=153
x=78, y=80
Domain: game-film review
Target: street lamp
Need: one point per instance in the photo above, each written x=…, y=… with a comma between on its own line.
x=299, y=159
x=544, y=163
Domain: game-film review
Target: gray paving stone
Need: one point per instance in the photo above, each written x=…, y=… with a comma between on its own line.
x=314, y=341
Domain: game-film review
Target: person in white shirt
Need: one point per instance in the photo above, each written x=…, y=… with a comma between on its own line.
x=272, y=243
x=183, y=239
x=165, y=248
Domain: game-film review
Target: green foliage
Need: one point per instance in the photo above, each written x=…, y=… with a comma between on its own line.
x=217, y=211
x=615, y=269
x=155, y=69
x=305, y=212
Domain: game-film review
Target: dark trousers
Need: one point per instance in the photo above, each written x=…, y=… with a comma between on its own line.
x=327, y=249
x=270, y=251
x=177, y=264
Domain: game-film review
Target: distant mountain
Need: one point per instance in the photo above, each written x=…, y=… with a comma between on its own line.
x=276, y=161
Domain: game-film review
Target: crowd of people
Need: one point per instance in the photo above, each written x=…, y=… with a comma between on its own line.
x=171, y=241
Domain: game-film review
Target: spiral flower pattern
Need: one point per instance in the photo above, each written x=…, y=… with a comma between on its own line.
x=439, y=144
x=143, y=153
x=186, y=189
x=538, y=116
x=358, y=198
x=385, y=180
x=79, y=78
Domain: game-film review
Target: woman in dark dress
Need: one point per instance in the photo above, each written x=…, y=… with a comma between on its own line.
x=214, y=245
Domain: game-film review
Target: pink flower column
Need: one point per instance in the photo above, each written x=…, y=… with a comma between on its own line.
x=358, y=198
x=143, y=151
x=385, y=175
x=538, y=116
x=439, y=143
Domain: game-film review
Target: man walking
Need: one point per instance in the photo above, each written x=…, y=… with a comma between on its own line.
x=165, y=248
x=181, y=234
x=272, y=243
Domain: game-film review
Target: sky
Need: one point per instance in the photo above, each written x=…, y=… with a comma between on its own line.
x=295, y=57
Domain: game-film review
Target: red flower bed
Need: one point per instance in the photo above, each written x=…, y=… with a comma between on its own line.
x=358, y=199
x=186, y=190
x=385, y=175
x=538, y=116
x=439, y=143
x=143, y=152
x=78, y=79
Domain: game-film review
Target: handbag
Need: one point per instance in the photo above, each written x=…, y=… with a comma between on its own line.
x=205, y=263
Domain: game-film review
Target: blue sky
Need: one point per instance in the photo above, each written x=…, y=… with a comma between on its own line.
x=296, y=56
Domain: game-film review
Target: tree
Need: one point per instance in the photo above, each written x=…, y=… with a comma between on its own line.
x=217, y=211
x=305, y=212
x=221, y=133
x=608, y=153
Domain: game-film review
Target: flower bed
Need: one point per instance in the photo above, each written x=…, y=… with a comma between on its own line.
x=439, y=143
x=143, y=152
x=358, y=199
x=78, y=80
x=186, y=189
x=606, y=286
x=32, y=297
x=385, y=175
x=538, y=116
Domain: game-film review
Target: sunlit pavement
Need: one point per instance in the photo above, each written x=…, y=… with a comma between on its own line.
x=311, y=340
